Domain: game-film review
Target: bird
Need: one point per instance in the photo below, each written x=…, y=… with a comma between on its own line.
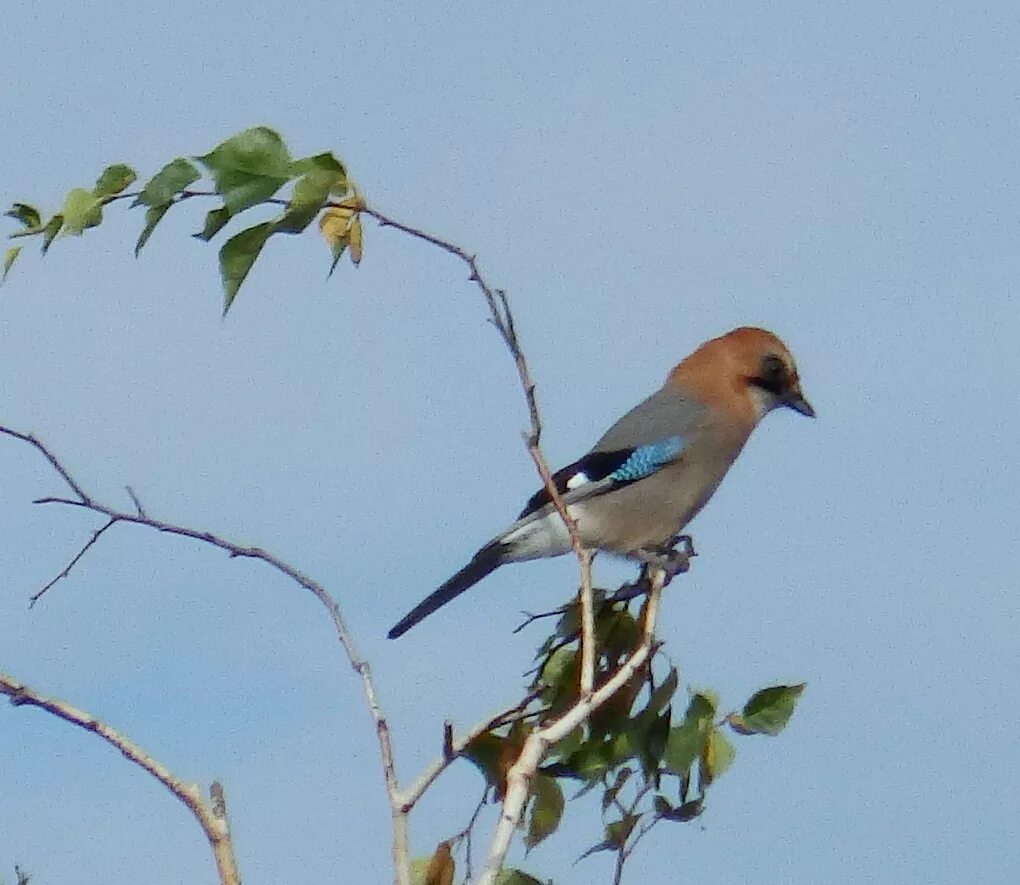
x=654, y=470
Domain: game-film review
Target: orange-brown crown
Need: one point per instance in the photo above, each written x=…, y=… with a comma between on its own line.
x=745, y=373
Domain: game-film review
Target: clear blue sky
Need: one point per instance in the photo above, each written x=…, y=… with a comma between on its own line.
x=639, y=177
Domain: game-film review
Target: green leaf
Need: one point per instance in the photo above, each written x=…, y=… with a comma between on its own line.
x=323, y=162
x=557, y=680
x=237, y=257
x=249, y=167
x=27, y=215
x=310, y=194
x=654, y=742
x=609, y=796
x=546, y=811
x=569, y=624
x=10, y=256
x=215, y=221
x=166, y=184
x=686, y=812
x=114, y=179
x=570, y=744
x=716, y=758
x=662, y=695
x=619, y=831
x=82, y=209
x=52, y=228
x=769, y=710
x=588, y=763
x=617, y=631
x=153, y=216
x=687, y=741
x=624, y=745
x=515, y=877
x=616, y=835
x=256, y=151
x=420, y=870
x=484, y=752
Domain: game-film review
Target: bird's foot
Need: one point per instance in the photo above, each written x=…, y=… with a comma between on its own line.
x=672, y=558
x=685, y=543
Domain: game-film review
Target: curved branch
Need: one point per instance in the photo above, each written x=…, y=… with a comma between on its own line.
x=358, y=663
x=211, y=817
x=502, y=318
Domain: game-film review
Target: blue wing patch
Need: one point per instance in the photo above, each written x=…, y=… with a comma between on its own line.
x=620, y=466
x=645, y=460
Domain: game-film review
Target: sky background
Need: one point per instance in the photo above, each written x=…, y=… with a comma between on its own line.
x=638, y=177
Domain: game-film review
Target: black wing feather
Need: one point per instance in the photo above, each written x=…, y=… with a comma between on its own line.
x=595, y=465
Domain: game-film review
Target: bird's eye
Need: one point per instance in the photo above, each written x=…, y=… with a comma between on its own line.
x=773, y=369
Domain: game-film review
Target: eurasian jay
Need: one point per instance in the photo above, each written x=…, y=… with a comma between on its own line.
x=654, y=469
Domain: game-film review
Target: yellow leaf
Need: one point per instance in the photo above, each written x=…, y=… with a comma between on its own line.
x=334, y=225
x=354, y=234
x=716, y=757
x=441, y=867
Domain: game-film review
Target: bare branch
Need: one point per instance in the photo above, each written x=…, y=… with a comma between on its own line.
x=96, y=535
x=343, y=633
x=134, y=500
x=212, y=818
x=466, y=834
x=54, y=463
x=502, y=318
x=624, y=851
x=452, y=748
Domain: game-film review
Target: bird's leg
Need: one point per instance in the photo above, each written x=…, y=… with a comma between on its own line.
x=673, y=557
x=668, y=558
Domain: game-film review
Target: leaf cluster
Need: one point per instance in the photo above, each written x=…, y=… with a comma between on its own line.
x=247, y=170
x=652, y=752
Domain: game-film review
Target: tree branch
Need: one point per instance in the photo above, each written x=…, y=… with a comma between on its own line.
x=523, y=771
x=452, y=748
x=502, y=318
x=96, y=535
x=346, y=640
x=211, y=817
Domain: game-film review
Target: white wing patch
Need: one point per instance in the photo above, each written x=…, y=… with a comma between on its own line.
x=577, y=480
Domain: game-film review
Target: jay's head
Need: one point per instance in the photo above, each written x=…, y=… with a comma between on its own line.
x=747, y=372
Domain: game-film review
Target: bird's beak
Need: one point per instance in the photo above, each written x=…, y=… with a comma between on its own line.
x=794, y=399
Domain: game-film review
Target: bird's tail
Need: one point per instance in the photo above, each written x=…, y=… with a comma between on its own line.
x=484, y=562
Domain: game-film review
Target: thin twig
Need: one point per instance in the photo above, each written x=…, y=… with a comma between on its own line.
x=64, y=572
x=212, y=817
x=343, y=633
x=452, y=748
x=502, y=318
x=623, y=851
x=627, y=848
x=134, y=500
x=466, y=834
x=531, y=617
